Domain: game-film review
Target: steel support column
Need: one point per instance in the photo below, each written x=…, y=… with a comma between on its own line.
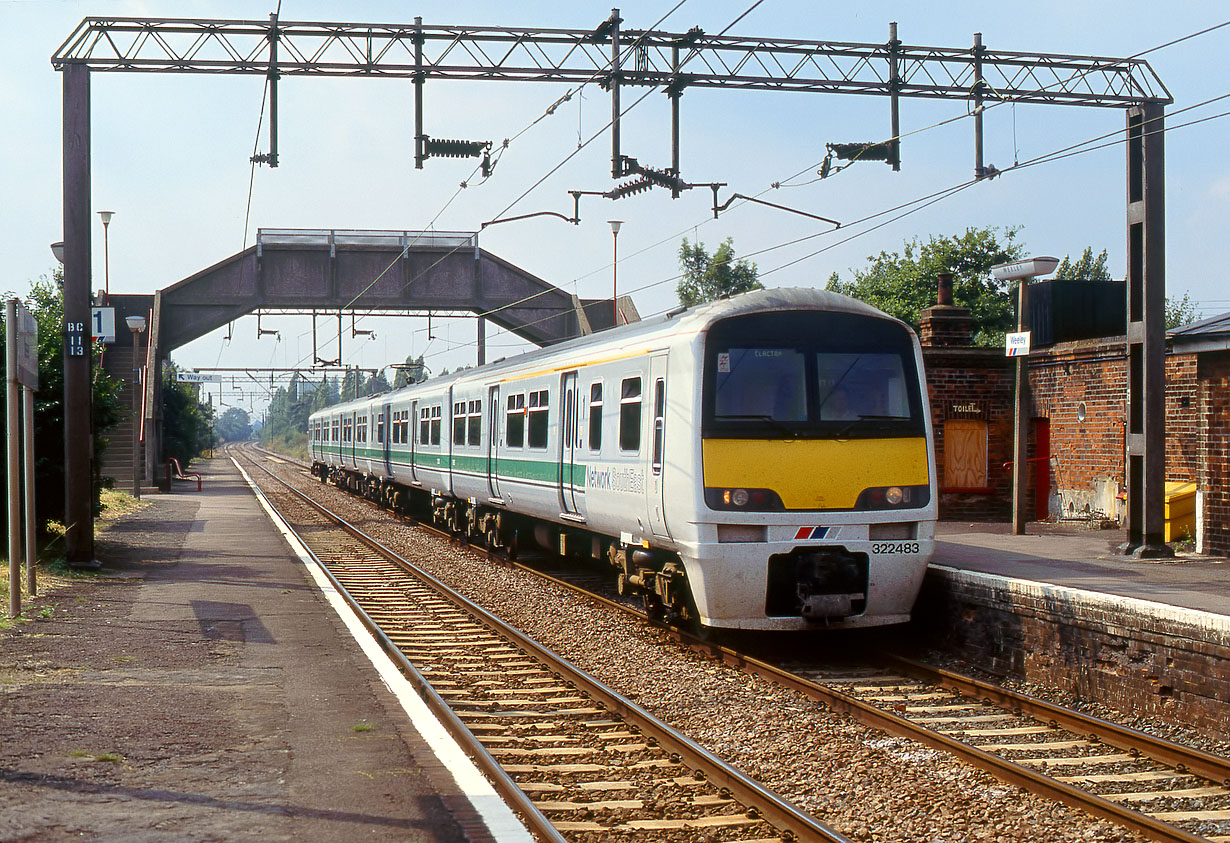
x=1146, y=332
x=78, y=426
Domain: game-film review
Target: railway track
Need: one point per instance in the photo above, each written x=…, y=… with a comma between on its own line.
x=577, y=760
x=1157, y=788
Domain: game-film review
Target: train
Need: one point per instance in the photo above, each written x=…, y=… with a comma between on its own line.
x=761, y=462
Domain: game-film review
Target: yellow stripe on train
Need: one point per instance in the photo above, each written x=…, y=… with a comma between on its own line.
x=814, y=473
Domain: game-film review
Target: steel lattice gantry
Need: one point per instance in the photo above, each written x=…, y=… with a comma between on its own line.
x=615, y=57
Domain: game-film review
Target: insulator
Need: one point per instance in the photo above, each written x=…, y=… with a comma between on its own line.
x=861, y=151
x=447, y=148
x=629, y=189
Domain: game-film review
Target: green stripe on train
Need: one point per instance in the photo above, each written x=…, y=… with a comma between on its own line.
x=546, y=471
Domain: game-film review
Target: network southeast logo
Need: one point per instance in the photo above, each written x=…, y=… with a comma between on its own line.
x=614, y=479
x=806, y=533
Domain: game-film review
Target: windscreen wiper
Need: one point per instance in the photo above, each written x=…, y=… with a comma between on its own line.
x=777, y=425
x=866, y=417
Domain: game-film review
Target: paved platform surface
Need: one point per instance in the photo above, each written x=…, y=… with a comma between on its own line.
x=201, y=688
x=1079, y=558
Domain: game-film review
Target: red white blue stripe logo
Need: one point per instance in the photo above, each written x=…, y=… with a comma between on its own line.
x=808, y=533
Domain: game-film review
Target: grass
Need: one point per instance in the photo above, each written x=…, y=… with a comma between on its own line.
x=116, y=504
x=362, y=726
x=109, y=757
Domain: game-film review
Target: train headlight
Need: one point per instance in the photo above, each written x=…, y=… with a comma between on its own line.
x=744, y=500
x=893, y=497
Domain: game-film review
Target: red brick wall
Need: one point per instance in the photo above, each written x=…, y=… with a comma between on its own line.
x=1183, y=393
x=1086, y=455
x=1213, y=451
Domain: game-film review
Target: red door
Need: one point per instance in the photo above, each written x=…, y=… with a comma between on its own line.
x=1042, y=468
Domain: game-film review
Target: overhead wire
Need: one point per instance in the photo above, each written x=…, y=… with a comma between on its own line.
x=925, y=201
x=910, y=207
x=935, y=197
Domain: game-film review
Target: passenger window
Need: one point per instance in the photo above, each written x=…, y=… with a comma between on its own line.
x=516, y=421
x=474, y=423
x=435, y=425
x=595, y=417
x=537, y=422
x=459, y=423
x=630, y=415
x=425, y=426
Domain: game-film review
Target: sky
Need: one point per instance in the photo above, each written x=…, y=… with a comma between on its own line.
x=171, y=158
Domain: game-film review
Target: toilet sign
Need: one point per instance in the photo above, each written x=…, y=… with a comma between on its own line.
x=1016, y=344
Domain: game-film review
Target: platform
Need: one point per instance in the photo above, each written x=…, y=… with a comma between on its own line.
x=1079, y=558
x=202, y=687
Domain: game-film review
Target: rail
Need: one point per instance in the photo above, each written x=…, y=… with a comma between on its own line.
x=761, y=802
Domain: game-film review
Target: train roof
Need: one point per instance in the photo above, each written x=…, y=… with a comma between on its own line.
x=692, y=319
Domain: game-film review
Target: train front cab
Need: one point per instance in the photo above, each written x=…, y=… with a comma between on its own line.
x=818, y=480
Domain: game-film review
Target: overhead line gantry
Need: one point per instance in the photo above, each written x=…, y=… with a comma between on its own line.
x=614, y=57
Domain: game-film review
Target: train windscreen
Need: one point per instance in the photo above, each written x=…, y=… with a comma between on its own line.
x=810, y=374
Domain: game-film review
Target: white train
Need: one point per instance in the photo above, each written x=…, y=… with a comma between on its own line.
x=760, y=462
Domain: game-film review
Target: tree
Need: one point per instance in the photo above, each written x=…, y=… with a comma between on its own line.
x=234, y=425
x=187, y=424
x=903, y=285
x=377, y=384
x=350, y=385
x=708, y=278
x=1086, y=267
x=1181, y=311
x=46, y=304
x=325, y=395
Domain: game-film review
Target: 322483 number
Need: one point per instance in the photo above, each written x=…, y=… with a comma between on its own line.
x=895, y=547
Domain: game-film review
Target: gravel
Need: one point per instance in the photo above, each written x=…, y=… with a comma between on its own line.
x=871, y=786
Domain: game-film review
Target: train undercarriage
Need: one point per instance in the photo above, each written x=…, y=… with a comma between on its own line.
x=656, y=576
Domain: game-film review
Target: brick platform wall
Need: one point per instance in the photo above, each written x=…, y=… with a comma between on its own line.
x=1136, y=658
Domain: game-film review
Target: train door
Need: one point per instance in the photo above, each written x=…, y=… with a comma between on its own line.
x=657, y=447
x=568, y=442
x=384, y=437
x=354, y=462
x=414, y=439
x=493, y=440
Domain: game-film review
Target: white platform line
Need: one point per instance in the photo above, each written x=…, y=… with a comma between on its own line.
x=501, y=822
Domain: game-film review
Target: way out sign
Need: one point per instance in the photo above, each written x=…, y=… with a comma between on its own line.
x=1016, y=344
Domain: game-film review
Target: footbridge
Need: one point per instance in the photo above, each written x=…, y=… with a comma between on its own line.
x=330, y=271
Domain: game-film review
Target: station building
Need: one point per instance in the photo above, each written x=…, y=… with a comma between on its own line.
x=1079, y=411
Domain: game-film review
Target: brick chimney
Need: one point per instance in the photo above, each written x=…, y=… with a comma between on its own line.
x=944, y=325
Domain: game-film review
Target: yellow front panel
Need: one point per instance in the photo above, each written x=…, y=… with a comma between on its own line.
x=815, y=473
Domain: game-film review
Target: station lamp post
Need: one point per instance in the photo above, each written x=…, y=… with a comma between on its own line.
x=1021, y=271
x=615, y=224
x=106, y=221
x=136, y=324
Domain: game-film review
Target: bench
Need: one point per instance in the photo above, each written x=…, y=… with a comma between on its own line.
x=179, y=474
